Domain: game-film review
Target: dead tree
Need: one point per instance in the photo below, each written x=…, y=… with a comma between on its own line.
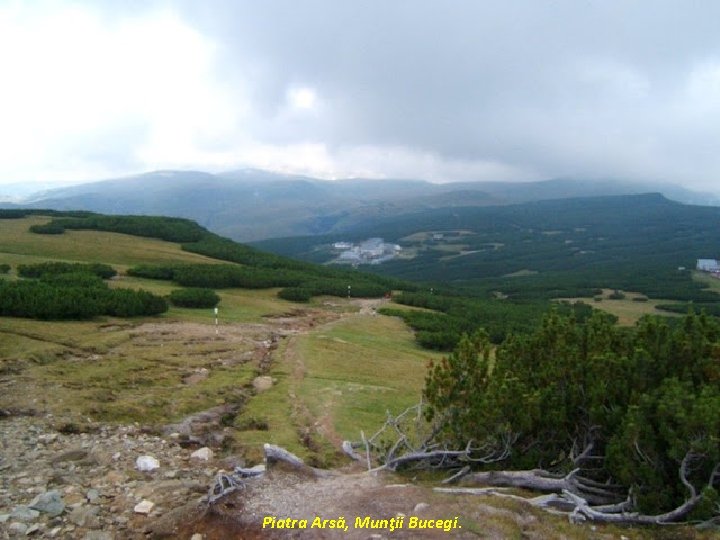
x=407, y=441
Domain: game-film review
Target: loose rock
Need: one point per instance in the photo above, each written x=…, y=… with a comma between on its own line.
x=146, y=463
x=144, y=507
x=50, y=503
x=204, y=454
x=85, y=516
x=262, y=383
x=18, y=528
x=23, y=513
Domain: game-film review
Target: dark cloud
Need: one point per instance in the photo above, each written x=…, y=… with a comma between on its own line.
x=542, y=88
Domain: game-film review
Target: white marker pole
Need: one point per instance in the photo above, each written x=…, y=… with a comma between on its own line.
x=216, y=321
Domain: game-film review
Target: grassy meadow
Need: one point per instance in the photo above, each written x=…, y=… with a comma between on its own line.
x=337, y=373
x=713, y=284
x=19, y=246
x=628, y=310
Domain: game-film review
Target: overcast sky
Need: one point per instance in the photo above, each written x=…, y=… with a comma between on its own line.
x=441, y=90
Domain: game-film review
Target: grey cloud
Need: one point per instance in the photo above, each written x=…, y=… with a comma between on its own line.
x=562, y=87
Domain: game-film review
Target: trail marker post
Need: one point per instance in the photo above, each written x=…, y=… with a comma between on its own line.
x=216, y=321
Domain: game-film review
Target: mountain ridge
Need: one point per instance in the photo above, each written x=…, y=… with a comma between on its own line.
x=253, y=205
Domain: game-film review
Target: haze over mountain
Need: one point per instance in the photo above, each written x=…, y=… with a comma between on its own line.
x=510, y=90
x=251, y=204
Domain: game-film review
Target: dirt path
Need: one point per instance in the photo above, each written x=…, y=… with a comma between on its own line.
x=355, y=505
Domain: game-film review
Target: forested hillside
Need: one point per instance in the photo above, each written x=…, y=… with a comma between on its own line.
x=545, y=249
x=251, y=269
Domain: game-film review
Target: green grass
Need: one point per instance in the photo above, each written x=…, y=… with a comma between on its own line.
x=19, y=246
x=275, y=408
x=330, y=381
x=359, y=369
x=137, y=377
x=345, y=375
x=334, y=382
x=627, y=310
x=236, y=305
x=712, y=283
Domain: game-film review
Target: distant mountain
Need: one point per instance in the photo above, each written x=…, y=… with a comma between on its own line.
x=251, y=205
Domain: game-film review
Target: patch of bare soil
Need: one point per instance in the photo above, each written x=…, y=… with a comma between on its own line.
x=287, y=504
x=369, y=306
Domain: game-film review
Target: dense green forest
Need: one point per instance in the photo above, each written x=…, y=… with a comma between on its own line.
x=55, y=291
x=448, y=316
x=103, y=271
x=194, y=297
x=546, y=249
x=628, y=411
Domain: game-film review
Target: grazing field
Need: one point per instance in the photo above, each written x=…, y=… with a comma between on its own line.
x=358, y=369
x=336, y=380
x=19, y=246
x=712, y=283
x=629, y=309
x=344, y=365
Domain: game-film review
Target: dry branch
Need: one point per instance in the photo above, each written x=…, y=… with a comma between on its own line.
x=404, y=442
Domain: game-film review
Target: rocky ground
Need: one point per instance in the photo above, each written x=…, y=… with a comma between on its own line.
x=81, y=481
x=71, y=481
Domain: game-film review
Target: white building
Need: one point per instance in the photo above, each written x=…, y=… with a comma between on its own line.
x=370, y=251
x=708, y=265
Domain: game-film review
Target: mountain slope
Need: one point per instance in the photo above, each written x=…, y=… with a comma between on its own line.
x=544, y=247
x=251, y=205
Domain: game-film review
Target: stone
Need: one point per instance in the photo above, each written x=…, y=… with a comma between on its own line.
x=419, y=507
x=196, y=536
x=47, y=438
x=204, y=454
x=74, y=499
x=18, y=528
x=249, y=472
x=92, y=495
x=115, y=477
x=32, y=529
x=24, y=513
x=50, y=503
x=146, y=463
x=85, y=516
x=77, y=454
x=4, y=518
x=262, y=383
x=144, y=507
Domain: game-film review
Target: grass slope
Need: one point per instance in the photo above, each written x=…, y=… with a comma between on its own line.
x=19, y=246
x=123, y=370
x=627, y=310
